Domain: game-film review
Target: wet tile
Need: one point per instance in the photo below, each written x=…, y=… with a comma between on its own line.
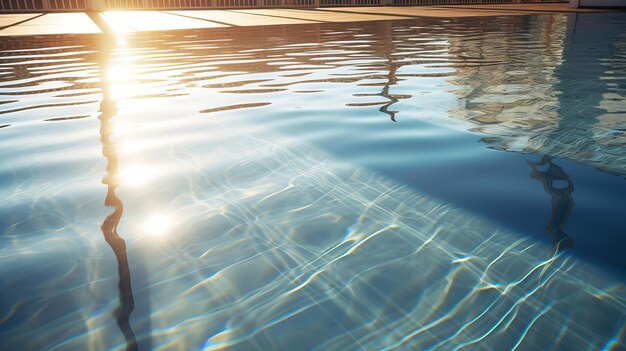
x=322, y=16
x=155, y=20
x=239, y=18
x=11, y=19
x=419, y=11
x=54, y=23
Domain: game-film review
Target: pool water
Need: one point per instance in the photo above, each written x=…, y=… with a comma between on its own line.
x=428, y=184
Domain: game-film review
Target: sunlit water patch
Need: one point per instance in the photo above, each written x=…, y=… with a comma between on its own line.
x=364, y=186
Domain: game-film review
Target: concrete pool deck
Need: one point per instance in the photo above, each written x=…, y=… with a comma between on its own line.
x=141, y=21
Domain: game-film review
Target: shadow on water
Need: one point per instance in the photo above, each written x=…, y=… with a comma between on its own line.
x=108, y=110
x=484, y=76
x=559, y=186
x=516, y=82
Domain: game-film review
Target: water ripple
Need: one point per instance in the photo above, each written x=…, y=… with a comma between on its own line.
x=251, y=175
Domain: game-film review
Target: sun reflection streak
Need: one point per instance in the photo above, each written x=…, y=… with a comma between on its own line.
x=120, y=72
x=135, y=175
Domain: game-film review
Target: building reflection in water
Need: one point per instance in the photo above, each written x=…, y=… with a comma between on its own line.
x=543, y=101
x=563, y=97
x=558, y=185
x=108, y=110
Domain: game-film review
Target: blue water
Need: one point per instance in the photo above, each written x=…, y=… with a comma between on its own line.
x=431, y=184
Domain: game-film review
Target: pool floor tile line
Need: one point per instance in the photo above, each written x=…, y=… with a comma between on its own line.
x=181, y=14
x=274, y=13
x=240, y=18
x=10, y=20
x=145, y=21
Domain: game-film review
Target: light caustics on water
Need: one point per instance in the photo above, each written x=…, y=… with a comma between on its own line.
x=240, y=232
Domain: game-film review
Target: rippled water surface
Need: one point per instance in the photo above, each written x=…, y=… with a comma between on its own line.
x=425, y=184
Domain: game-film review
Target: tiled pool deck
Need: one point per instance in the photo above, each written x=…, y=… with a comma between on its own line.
x=139, y=21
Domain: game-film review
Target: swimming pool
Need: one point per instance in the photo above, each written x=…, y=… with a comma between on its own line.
x=424, y=184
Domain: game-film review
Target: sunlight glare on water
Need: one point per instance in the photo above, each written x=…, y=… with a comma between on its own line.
x=157, y=225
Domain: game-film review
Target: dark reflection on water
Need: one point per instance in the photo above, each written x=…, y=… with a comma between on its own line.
x=109, y=226
x=301, y=212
